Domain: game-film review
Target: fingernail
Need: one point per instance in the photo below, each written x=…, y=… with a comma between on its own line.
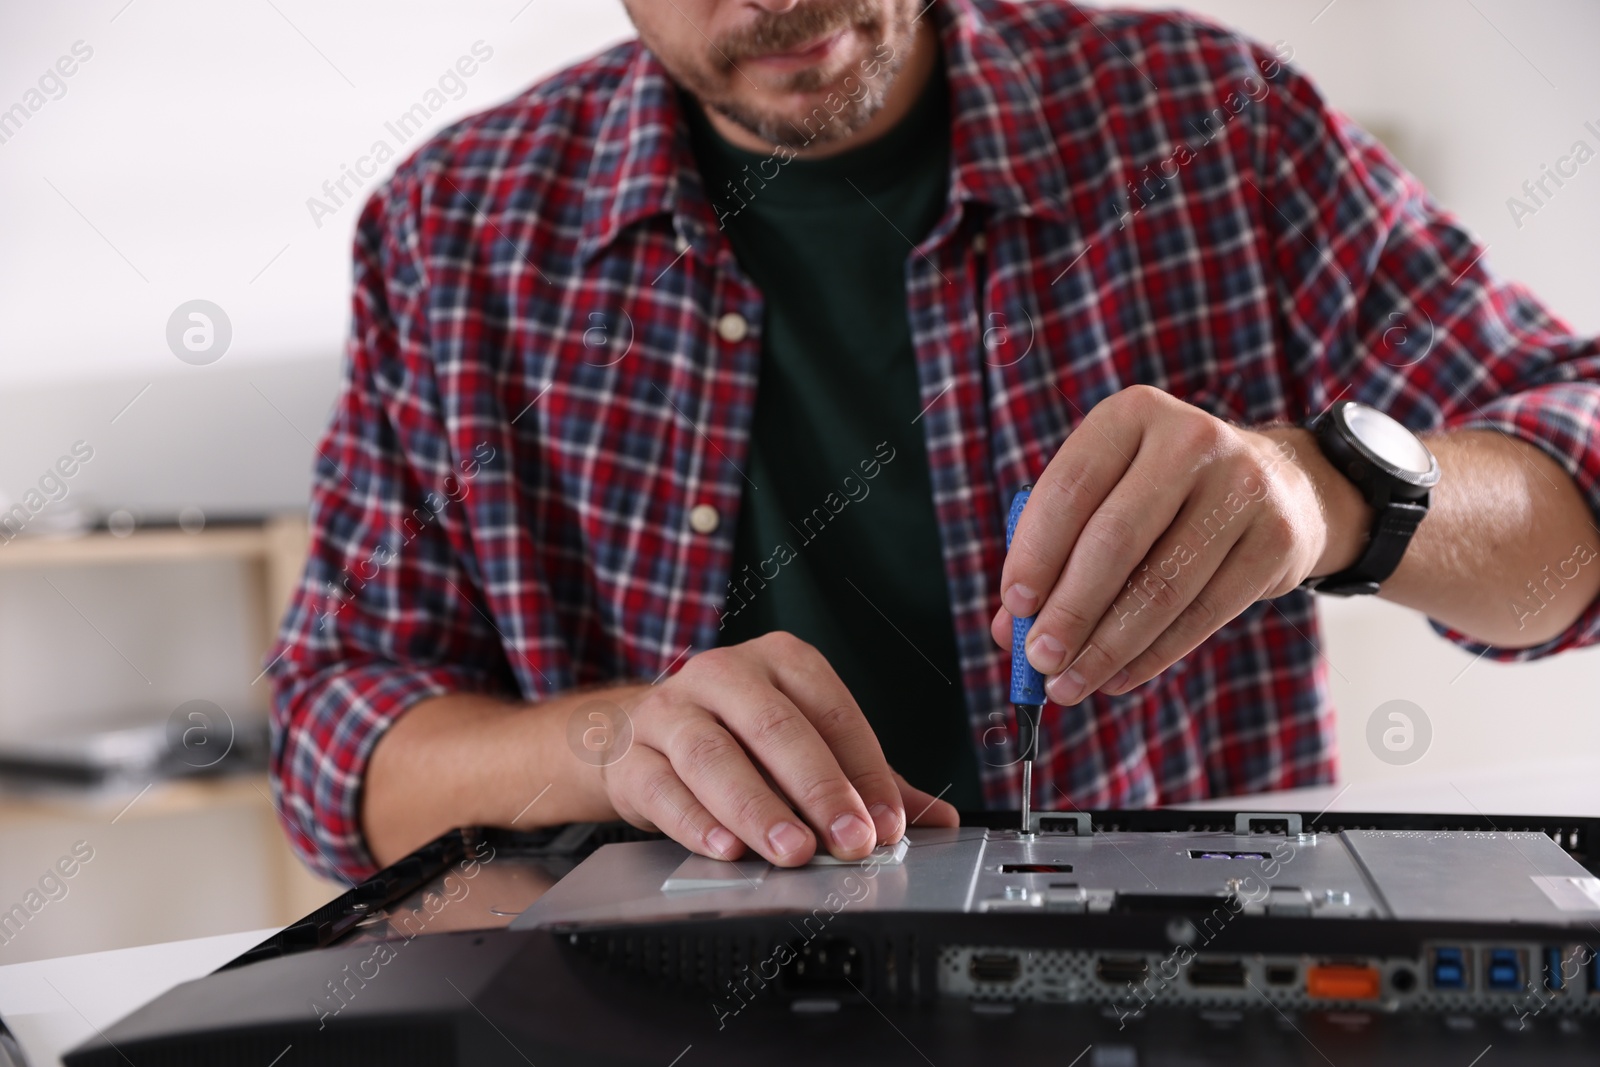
x=1117, y=681
x=1020, y=600
x=851, y=833
x=786, y=838
x=1066, y=688
x=1046, y=654
x=722, y=842
x=887, y=820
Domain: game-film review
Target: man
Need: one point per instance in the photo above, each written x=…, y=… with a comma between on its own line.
x=687, y=393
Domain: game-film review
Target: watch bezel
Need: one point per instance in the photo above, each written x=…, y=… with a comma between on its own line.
x=1411, y=486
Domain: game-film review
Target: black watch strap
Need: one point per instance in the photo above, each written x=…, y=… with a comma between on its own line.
x=1391, y=533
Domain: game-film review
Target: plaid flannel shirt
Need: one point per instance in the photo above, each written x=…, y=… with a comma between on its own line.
x=554, y=359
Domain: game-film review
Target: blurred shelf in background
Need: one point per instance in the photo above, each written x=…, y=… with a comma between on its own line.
x=108, y=642
x=167, y=861
x=275, y=549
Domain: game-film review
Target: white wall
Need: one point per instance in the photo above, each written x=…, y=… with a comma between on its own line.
x=193, y=137
x=191, y=141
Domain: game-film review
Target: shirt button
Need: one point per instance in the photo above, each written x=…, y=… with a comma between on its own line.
x=980, y=243
x=732, y=327
x=703, y=518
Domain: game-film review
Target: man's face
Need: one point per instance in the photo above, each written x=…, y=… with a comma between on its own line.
x=769, y=64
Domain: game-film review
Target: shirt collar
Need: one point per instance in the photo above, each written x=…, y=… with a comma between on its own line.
x=1003, y=152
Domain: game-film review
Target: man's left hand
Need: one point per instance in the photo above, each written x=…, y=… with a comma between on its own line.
x=1154, y=525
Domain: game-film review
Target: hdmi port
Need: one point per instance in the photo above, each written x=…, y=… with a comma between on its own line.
x=1208, y=974
x=995, y=967
x=1121, y=970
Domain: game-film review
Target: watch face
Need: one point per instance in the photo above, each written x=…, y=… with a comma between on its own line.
x=1391, y=443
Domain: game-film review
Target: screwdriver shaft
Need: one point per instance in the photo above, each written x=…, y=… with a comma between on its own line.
x=1027, y=792
x=1027, y=748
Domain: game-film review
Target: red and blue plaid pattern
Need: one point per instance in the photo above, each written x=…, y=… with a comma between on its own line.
x=544, y=379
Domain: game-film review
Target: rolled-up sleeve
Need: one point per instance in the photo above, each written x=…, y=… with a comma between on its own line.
x=1389, y=299
x=1561, y=417
x=387, y=613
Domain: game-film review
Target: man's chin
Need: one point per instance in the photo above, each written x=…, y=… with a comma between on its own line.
x=817, y=112
x=807, y=119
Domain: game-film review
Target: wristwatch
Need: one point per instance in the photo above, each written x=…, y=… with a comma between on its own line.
x=1394, y=471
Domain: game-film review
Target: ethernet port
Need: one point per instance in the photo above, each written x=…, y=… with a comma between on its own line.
x=1450, y=968
x=1502, y=971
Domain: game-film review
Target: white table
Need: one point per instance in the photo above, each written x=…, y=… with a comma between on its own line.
x=1553, y=787
x=52, y=1005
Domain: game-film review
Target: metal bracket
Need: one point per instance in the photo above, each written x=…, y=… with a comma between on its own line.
x=1082, y=825
x=1243, y=822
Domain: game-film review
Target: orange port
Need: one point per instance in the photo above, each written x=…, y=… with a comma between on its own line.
x=1343, y=982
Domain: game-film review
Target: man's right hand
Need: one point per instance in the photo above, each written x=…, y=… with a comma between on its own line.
x=760, y=745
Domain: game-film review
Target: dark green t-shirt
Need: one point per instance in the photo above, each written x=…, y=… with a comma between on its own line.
x=837, y=541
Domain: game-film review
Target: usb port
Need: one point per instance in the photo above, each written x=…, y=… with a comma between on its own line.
x=1449, y=968
x=1503, y=971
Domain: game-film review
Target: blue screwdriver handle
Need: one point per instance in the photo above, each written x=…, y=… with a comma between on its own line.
x=1027, y=684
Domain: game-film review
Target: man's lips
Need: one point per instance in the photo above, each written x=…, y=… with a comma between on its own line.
x=807, y=55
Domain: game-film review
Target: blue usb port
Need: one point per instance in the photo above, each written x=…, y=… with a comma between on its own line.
x=1553, y=978
x=1449, y=969
x=1504, y=970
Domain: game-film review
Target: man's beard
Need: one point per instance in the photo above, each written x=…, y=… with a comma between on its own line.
x=861, y=98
